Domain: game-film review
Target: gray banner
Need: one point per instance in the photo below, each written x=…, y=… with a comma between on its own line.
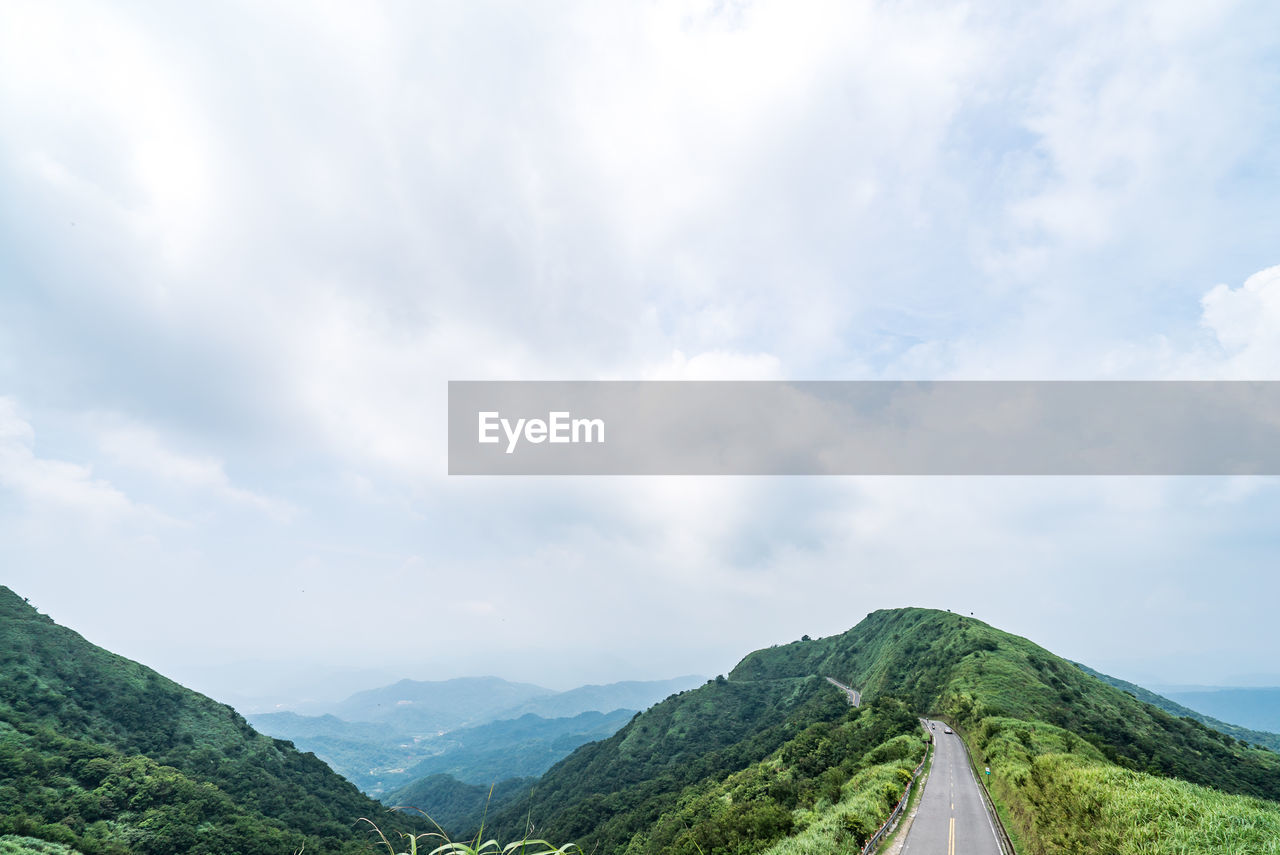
x=864, y=428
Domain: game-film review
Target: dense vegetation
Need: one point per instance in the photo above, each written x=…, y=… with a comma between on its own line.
x=1061, y=795
x=733, y=765
x=451, y=804
x=697, y=754
x=106, y=756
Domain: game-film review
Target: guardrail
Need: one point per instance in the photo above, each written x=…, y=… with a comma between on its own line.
x=1002, y=835
x=892, y=822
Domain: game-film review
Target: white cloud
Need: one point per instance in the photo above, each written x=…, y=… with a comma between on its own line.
x=142, y=449
x=49, y=485
x=1246, y=323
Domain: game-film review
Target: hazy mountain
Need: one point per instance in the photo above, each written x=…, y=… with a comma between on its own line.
x=415, y=728
x=419, y=707
x=1252, y=707
x=513, y=748
x=627, y=695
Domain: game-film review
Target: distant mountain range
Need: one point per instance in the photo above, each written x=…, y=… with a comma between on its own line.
x=480, y=729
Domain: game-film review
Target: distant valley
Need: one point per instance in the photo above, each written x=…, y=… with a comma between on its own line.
x=479, y=730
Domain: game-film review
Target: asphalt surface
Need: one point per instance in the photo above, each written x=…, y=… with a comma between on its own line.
x=951, y=818
x=854, y=696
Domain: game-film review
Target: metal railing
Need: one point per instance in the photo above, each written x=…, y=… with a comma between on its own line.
x=892, y=822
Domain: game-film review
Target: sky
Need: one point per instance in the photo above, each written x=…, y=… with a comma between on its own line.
x=244, y=246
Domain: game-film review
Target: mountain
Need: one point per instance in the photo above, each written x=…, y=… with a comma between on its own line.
x=514, y=748
x=413, y=729
x=1261, y=738
x=626, y=695
x=452, y=803
x=1078, y=765
x=1257, y=708
x=104, y=755
x=364, y=753
x=418, y=708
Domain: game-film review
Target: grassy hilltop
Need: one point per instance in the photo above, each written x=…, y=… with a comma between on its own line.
x=1078, y=765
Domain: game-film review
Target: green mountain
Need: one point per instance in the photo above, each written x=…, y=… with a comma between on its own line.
x=517, y=748
x=378, y=760
x=452, y=804
x=415, y=728
x=1067, y=751
x=366, y=753
x=1260, y=738
x=104, y=755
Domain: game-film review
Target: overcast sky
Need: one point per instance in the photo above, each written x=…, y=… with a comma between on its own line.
x=244, y=246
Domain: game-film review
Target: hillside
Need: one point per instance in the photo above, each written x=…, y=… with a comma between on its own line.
x=1038, y=719
x=105, y=755
x=605, y=792
x=451, y=803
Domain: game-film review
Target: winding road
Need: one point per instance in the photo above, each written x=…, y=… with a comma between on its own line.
x=952, y=818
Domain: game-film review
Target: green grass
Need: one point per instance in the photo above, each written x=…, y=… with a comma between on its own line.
x=106, y=756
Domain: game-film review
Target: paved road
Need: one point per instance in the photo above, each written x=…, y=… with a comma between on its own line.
x=952, y=819
x=854, y=696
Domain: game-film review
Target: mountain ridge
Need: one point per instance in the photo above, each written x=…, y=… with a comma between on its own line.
x=108, y=756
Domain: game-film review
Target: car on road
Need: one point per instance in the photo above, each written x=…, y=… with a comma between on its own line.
x=947, y=730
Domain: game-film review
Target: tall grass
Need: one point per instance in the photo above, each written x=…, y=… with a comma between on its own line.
x=1063, y=796
x=15, y=844
x=866, y=801
x=438, y=843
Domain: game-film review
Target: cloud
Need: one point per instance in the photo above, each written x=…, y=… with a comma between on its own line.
x=1245, y=322
x=46, y=484
x=264, y=239
x=142, y=449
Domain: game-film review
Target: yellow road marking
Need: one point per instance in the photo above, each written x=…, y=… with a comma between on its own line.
x=951, y=840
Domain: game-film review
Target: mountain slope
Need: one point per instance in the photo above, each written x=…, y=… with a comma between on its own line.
x=1041, y=723
x=605, y=792
x=106, y=755
x=957, y=665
